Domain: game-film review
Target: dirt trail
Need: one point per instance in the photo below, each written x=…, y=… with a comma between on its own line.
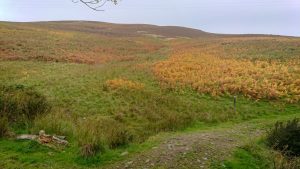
x=192, y=150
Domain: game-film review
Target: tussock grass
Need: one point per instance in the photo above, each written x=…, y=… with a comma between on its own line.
x=56, y=122
x=150, y=112
x=3, y=126
x=94, y=134
x=20, y=105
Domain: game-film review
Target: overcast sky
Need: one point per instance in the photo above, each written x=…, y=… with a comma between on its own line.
x=219, y=16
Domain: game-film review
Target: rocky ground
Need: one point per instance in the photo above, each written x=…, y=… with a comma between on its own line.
x=192, y=150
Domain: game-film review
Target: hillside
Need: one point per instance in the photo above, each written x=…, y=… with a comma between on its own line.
x=95, y=42
x=125, y=93
x=116, y=30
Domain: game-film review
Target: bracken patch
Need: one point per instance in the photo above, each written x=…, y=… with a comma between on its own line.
x=211, y=74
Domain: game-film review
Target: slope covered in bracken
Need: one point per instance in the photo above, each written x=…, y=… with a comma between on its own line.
x=257, y=68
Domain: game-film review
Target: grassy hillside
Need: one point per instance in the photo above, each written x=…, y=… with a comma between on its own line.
x=121, y=30
x=111, y=87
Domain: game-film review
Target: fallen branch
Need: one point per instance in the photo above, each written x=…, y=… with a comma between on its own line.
x=43, y=138
x=27, y=137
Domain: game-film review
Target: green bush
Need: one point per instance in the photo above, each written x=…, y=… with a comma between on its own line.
x=20, y=104
x=285, y=137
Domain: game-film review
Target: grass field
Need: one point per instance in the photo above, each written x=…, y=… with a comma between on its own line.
x=112, y=92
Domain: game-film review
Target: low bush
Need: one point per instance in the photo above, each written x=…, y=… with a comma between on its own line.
x=20, y=104
x=285, y=137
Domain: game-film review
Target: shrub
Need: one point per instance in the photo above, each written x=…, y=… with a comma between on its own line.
x=95, y=133
x=20, y=104
x=3, y=126
x=285, y=137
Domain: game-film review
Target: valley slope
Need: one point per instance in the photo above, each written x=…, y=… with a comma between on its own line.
x=117, y=89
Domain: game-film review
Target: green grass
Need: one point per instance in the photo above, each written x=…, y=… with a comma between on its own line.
x=77, y=91
x=78, y=97
x=246, y=160
x=28, y=154
x=256, y=154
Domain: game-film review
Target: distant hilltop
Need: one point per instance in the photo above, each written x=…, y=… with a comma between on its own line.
x=121, y=30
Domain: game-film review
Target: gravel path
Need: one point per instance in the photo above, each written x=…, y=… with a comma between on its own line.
x=192, y=150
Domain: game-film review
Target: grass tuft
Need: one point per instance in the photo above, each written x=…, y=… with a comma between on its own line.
x=95, y=133
x=3, y=126
x=57, y=122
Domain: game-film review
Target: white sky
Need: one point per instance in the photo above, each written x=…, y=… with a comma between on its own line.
x=219, y=16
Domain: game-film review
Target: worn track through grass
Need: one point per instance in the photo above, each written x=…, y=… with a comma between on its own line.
x=195, y=149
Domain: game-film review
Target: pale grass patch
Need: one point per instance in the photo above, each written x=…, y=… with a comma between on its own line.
x=123, y=84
